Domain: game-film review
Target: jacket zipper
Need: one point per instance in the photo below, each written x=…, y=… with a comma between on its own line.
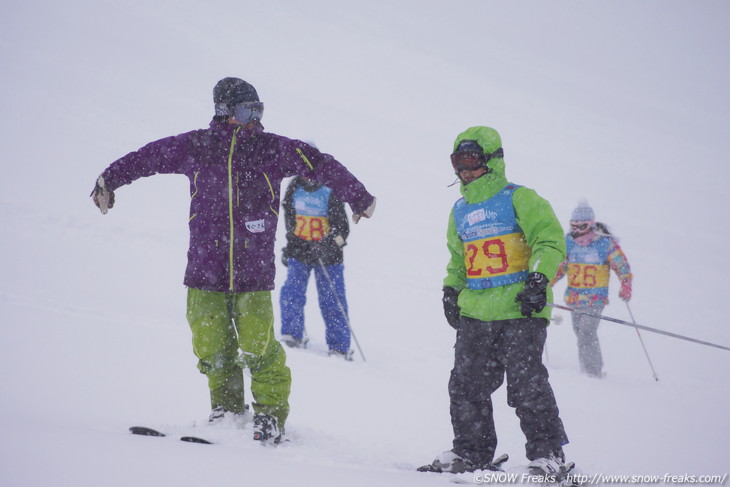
x=230, y=209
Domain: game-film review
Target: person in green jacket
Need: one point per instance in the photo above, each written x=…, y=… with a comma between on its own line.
x=505, y=244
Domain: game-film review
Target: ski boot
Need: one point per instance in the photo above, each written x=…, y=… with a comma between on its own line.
x=220, y=415
x=553, y=467
x=292, y=342
x=347, y=356
x=266, y=429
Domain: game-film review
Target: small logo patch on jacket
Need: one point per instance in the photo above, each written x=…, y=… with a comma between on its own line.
x=256, y=226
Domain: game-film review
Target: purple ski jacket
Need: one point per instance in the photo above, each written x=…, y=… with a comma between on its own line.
x=235, y=177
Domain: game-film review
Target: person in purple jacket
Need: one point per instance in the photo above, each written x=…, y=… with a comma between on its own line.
x=235, y=170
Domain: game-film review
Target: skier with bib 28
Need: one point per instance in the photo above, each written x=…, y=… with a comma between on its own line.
x=505, y=245
x=316, y=231
x=235, y=171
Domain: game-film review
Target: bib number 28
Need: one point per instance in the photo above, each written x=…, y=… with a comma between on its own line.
x=311, y=228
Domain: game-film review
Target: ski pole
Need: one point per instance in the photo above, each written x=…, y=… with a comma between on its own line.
x=342, y=308
x=656, y=377
x=635, y=325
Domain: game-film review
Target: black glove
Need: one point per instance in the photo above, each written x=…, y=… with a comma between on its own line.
x=451, y=307
x=284, y=257
x=534, y=296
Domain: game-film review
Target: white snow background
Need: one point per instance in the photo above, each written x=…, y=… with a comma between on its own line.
x=625, y=103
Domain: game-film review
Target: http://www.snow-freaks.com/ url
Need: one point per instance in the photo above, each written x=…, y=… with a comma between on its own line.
x=599, y=479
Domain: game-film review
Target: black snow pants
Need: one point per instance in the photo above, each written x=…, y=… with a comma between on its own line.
x=484, y=353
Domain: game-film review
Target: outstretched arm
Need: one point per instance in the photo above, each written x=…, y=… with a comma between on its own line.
x=164, y=156
x=308, y=161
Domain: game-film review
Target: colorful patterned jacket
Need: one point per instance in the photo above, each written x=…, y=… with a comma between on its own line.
x=588, y=269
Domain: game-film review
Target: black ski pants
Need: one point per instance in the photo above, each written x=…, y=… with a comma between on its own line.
x=484, y=353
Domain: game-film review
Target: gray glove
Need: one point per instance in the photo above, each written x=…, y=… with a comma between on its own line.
x=103, y=198
x=367, y=213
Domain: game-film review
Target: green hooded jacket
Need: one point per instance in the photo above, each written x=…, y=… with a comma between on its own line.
x=534, y=215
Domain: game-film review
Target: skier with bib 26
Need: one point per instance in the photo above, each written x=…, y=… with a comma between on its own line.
x=591, y=253
x=235, y=171
x=505, y=245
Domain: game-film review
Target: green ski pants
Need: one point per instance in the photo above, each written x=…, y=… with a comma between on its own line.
x=222, y=323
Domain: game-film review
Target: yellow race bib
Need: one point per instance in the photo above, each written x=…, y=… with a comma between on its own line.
x=312, y=227
x=496, y=256
x=587, y=276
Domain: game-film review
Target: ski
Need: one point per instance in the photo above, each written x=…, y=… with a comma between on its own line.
x=145, y=431
x=496, y=466
x=196, y=439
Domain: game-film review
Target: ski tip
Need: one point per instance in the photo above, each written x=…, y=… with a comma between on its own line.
x=497, y=462
x=144, y=431
x=195, y=439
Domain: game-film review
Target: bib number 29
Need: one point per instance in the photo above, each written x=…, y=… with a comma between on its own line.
x=491, y=257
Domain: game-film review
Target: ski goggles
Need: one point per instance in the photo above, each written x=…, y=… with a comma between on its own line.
x=580, y=226
x=468, y=161
x=578, y=229
x=248, y=111
x=472, y=160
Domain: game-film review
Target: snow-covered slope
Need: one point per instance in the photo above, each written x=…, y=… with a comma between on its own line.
x=624, y=103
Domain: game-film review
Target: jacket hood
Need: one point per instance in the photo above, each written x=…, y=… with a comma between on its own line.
x=307, y=184
x=487, y=138
x=489, y=184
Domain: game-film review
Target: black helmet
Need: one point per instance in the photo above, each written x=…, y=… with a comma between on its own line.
x=229, y=92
